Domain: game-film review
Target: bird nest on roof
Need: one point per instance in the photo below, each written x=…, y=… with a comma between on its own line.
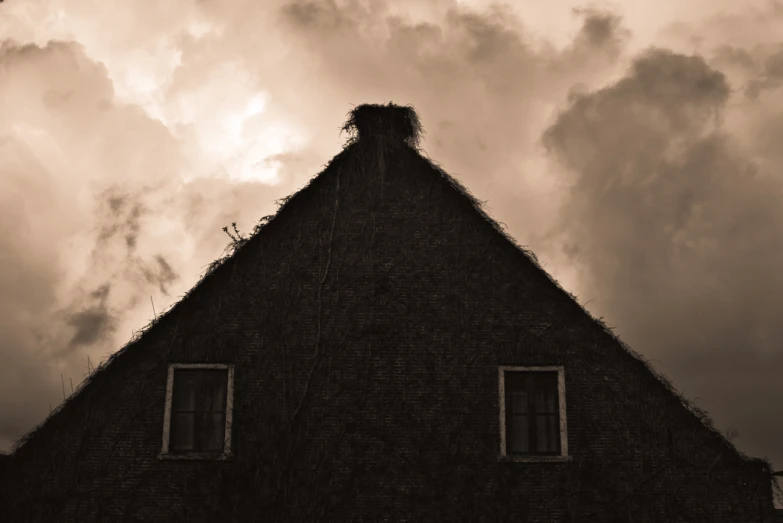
x=390, y=122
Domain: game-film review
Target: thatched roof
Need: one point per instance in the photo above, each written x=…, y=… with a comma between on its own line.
x=391, y=124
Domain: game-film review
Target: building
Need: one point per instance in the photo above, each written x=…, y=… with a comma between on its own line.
x=379, y=351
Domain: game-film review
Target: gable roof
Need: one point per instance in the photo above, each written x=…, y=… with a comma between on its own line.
x=390, y=123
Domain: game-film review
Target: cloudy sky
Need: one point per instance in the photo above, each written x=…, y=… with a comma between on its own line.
x=633, y=146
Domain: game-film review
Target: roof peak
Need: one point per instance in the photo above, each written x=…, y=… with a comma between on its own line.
x=390, y=122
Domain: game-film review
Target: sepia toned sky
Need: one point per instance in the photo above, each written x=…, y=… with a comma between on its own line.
x=634, y=146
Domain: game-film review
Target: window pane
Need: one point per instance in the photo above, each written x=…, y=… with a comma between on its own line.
x=515, y=380
x=545, y=393
x=517, y=435
x=545, y=401
x=547, y=433
x=516, y=392
x=517, y=402
x=212, y=432
x=532, y=412
x=186, y=389
x=182, y=432
x=214, y=392
x=517, y=421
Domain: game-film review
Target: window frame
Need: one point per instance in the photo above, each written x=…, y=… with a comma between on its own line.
x=503, y=455
x=172, y=368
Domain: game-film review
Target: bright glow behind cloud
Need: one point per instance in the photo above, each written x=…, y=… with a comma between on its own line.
x=219, y=119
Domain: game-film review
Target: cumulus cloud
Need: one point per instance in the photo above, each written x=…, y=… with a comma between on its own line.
x=678, y=231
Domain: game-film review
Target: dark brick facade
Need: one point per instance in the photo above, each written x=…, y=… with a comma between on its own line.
x=366, y=322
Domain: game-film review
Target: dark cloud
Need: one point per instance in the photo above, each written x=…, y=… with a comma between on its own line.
x=101, y=293
x=773, y=67
x=325, y=15
x=770, y=76
x=679, y=232
x=734, y=61
x=743, y=42
x=601, y=29
x=121, y=217
x=91, y=325
x=95, y=322
x=160, y=273
x=487, y=37
x=116, y=203
x=664, y=98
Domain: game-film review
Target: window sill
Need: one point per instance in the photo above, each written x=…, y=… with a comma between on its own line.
x=533, y=459
x=197, y=457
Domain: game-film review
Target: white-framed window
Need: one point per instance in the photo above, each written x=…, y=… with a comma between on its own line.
x=533, y=424
x=198, y=410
